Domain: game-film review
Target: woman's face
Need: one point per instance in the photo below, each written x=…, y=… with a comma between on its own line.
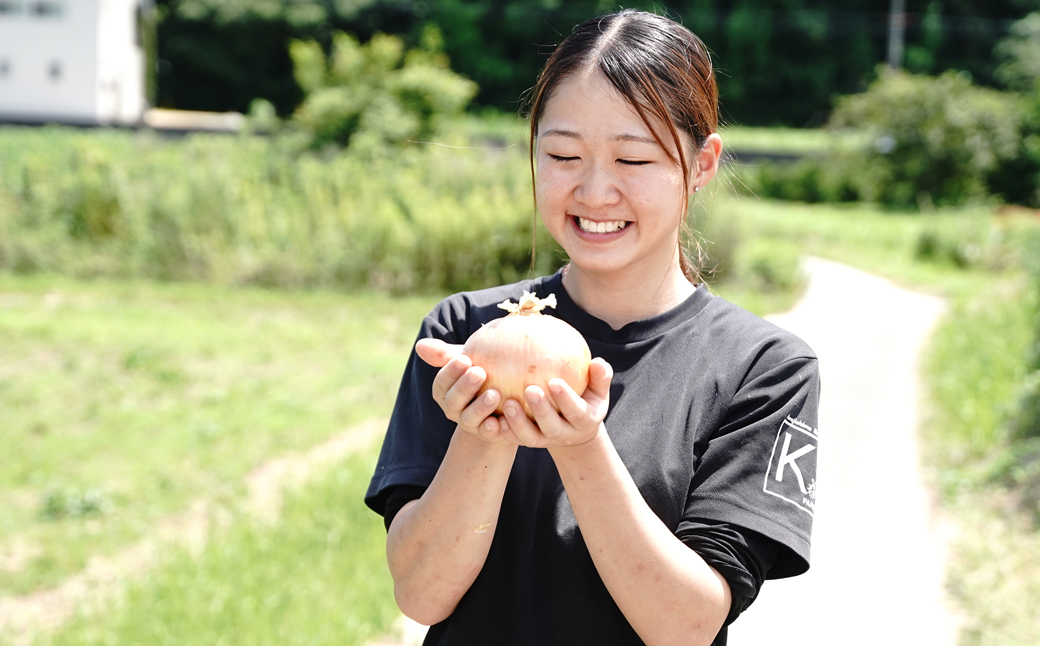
x=607, y=191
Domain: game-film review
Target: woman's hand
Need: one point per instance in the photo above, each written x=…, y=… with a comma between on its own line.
x=455, y=390
x=579, y=420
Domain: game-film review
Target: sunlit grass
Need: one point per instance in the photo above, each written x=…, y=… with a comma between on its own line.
x=788, y=141
x=318, y=577
x=124, y=402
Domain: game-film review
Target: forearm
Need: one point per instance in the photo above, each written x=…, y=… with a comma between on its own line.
x=437, y=545
x=665, y=590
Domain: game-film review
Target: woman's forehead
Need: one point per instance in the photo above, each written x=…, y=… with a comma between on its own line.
x=589, y=104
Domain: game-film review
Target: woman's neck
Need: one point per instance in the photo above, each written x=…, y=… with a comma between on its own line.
x=620, y=300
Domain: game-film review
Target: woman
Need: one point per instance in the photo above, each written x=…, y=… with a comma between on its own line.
x=651, y=507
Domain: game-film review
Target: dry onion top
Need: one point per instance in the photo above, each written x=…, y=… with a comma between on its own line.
x=528, y=348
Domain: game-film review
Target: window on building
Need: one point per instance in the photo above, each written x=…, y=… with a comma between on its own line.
x=10, y=8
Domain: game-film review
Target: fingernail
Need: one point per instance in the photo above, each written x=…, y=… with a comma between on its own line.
x=511, y=411
x=489, y=398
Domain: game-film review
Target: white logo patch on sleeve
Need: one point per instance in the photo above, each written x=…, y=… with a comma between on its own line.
x=791, y=474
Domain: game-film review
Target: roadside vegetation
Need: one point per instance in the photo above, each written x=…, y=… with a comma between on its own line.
x=177, y=312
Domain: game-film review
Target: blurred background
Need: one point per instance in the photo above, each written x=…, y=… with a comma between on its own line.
x=222, y=221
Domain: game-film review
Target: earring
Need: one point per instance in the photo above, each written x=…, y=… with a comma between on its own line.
x=696, y=189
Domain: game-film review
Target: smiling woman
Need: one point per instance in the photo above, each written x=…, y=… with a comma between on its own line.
x=613, y=192
x=633, y=512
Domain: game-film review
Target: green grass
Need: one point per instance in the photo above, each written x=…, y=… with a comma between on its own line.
x=317, y=577
x=788, y=141
x=123, y=402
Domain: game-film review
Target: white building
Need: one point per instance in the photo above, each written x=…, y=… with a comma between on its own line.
x=71, y=61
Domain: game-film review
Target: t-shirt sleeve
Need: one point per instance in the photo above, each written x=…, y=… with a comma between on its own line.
x=758, y=470
x=418, y=434
x=740, y=555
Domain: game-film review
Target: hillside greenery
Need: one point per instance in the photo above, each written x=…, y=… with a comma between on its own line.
x=221, y=54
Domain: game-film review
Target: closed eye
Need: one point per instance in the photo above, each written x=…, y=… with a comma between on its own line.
x=633, y=162
x=562, y=158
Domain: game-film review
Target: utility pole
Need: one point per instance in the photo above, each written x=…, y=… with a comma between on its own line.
x=896, y=33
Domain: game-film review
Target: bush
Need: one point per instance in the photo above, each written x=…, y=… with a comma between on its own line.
x=252, y=210
x=810, y=180
x=937, y=139
x=975, y=242
x=375, y=92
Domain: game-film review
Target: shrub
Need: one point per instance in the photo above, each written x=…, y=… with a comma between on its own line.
x=250, y=209
x=769, y=265
x=375, y=93
x=810, y=180
x=1018, y=180
x=937, y=139
x=969, y=242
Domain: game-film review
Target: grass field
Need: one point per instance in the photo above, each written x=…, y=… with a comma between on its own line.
x=126, y=402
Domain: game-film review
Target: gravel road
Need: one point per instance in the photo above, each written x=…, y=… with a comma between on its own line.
x=878, y=548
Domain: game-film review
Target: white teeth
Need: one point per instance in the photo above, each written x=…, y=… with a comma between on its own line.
x=601, y=227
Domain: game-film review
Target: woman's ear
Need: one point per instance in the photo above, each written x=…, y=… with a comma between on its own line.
x=707, y=161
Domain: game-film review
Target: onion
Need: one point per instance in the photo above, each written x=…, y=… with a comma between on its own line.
x=528, y=348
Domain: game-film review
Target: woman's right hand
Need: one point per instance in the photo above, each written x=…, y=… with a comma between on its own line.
x=455, y=391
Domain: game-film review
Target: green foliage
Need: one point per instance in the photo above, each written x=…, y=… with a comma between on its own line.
x=252, y=210
x=1027, y=422
x=972, y=242
x=1020, y=55
x=376, y=91
x=779, y=63
x=810, y=180
x=936, y=139
x=73, y=503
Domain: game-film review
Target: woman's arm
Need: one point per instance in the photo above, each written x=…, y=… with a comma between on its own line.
x=664, y=589
x=437, y=545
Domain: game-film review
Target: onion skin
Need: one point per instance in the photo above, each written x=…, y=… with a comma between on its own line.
x=528, y=348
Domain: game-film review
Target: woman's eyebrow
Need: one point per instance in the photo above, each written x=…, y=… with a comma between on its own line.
x=559, y=132
x=562, y=133
x=636, y=138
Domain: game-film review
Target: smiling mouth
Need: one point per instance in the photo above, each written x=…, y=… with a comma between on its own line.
x=592, y=226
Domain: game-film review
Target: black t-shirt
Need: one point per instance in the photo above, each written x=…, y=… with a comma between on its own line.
x=712, y=410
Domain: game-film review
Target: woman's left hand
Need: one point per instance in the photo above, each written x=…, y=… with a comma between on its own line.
x=578, y=420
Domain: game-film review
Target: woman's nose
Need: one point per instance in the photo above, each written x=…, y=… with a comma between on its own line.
x=597, y=186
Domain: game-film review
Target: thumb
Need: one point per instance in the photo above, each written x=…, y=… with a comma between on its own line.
x=437, y=353
x=600, y=374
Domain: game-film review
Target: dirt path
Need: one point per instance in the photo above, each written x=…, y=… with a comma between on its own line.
x=104, y=577
x=878, y=549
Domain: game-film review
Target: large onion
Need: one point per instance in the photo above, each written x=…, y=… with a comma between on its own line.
x=528, y=348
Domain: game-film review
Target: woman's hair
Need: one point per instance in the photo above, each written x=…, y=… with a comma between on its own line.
x=658, y=66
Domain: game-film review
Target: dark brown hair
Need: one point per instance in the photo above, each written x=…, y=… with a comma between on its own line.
x=660, y=67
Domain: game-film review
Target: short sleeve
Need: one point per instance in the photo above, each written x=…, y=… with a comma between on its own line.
x=418, y=434
x=759, y=469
